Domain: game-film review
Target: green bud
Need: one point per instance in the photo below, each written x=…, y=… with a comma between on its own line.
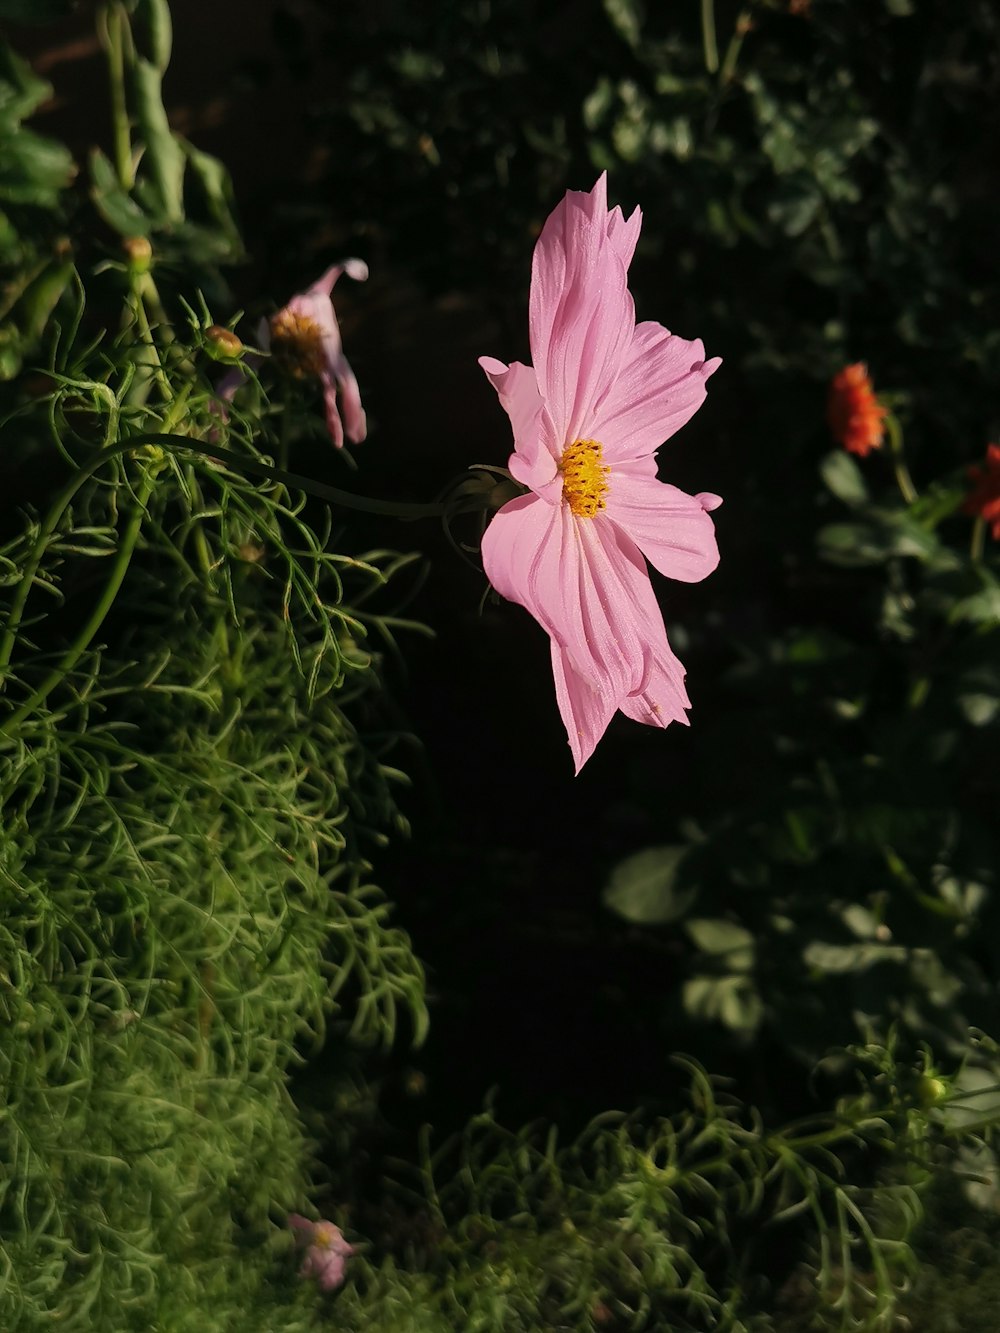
x=931, y=1090
x=222, y=344
x=138, y=254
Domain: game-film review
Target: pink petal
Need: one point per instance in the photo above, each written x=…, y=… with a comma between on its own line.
x=355, y=420
x=663, y=699
x=330, y=1269
x=623, y=233
x=333, y=422
x=580, y=314
x=573, y=576
x=670, y=527
x=533, y=461
x=591, y=597
x=660, y=385
x=323, y=286
x=585, y=710
x=517, y=539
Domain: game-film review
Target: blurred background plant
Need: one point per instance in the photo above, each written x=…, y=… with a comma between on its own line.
x=800, y=890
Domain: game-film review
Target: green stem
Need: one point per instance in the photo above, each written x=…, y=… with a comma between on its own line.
x=708, y=41
x=978, y=540
x=114, y=35
x=729, y=60
x=96, y=619
x=903, y=479
x=147, y=339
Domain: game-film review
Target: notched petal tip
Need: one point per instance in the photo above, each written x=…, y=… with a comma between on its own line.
x=709, y=367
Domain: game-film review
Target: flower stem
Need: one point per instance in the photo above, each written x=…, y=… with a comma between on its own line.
x=903, y=479
x=113, y=24
x=708, y=41
x=732, y=55
x=978, y=540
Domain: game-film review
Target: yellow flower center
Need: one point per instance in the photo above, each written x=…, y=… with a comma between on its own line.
x=585, y=477
x=324, y=1236
x=297, y=343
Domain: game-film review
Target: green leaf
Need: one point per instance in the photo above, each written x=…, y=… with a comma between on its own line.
x=886, y=534
x=981, y=608
x=164, y=157
x=21, y=90
x=732, y=1000
x=795, y=205
x=33, y=170
x=626, y=17
x=118, y=209
x=978, y=708
x=643, y=889
x=41, y=297
x=844, y=478
x=725, y=940
x=839, y=958
x=217, y=187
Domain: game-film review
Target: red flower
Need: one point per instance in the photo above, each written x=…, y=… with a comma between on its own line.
x=855, y=415
x=983, y=501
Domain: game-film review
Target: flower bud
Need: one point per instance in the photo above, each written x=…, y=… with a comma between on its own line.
x=138, y=254
x=931, y=1090
x=222, y=344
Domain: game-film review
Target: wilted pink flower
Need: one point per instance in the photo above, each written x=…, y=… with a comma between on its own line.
x=304, y=340
x=326, y=1251
x=587, y=420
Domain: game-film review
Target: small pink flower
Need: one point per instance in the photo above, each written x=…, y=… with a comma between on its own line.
x=326, y=1251
x=587, y=420
x=304, y=340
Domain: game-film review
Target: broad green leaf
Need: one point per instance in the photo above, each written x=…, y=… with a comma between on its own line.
x=844, y=478
x=33, y=170
x=214, y=180
x=724, y=939
x=978, y=708
x=731, y=1000
x=981, y=608
x=643, y=889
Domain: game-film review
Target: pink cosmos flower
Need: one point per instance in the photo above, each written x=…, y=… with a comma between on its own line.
x=587, y=420
x=304, y=339
x=326, y=1251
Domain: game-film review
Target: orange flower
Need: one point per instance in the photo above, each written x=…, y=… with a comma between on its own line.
x=983, y=501
x=855, y=415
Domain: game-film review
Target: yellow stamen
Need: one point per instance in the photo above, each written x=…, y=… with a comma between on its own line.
x=297, y=343
x=324, y=1236
x=585, y=477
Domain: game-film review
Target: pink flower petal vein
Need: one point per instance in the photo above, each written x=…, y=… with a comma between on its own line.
x=602, y=395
